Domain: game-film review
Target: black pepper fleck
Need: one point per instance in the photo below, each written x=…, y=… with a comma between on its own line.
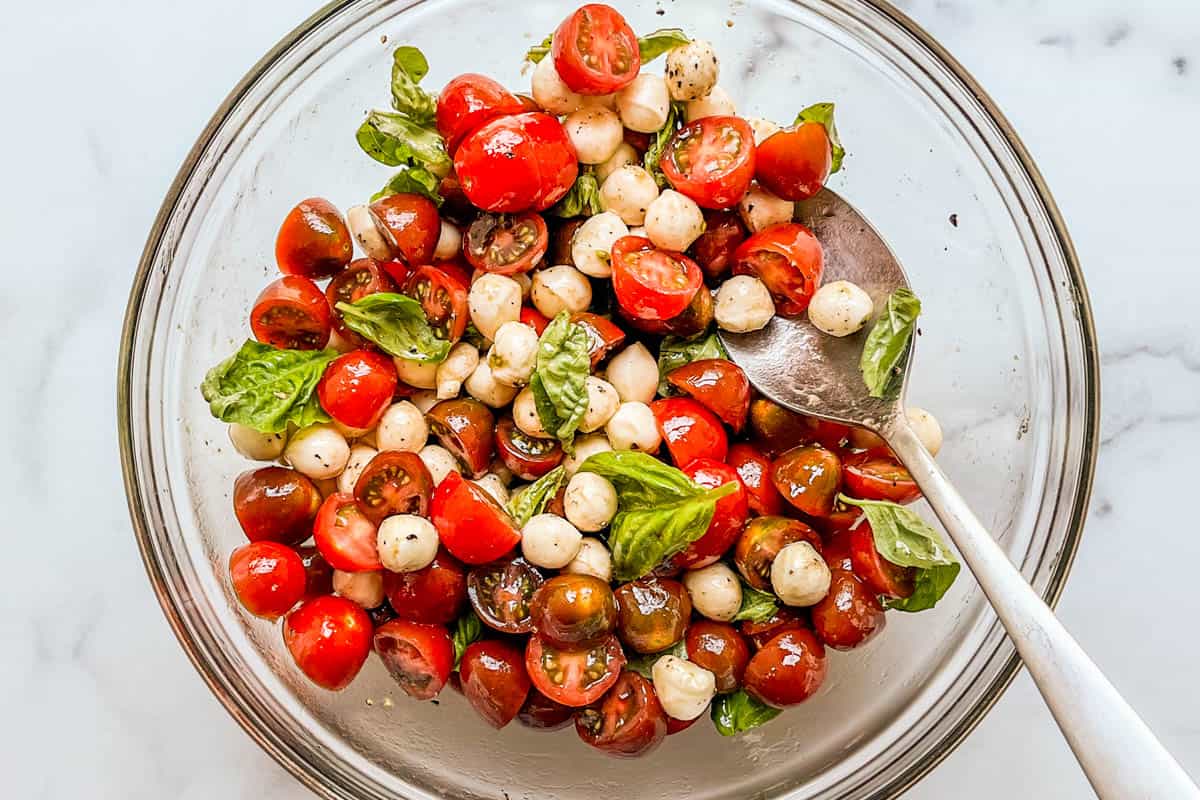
x=954, y=220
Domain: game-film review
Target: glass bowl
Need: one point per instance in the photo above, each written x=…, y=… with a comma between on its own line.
x=1007, y=360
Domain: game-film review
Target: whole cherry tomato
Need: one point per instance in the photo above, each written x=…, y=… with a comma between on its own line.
x=720, y=649
x=794, y=163
x=467, y=102
x=318, y=575
x=759, y=633
x=719, y=385
x=761, y=541
x=690, y=430
x=394, y=482
x=433, y=594
x=517, y=163
x=574, y=610
x=357, y=388
x=494, y=680
x=788, y=669
x=603, y=335
x=729, y=514
x=788, y=259
x=808, y=477
x=275, y=503
x=465, y=427
x=754, y=469
x=713, y=251
x=652, y=613
x=506, y=244
x=849, y=615
x=543, y=714
x=777, y=429
x=652, y=284
x=344, y=535
x=595, y=51
x=443, y=297
x=711, y=160
x=268, y=578
x=291, y=314
x=313, y=241
x=871, y=477
x=502, y=594
x=411, y=225
x=418, y=656
x=329, y=639
x=528, y=458
x=630, y=720
x=472, y=526
x=881, y=576
x=576, y=676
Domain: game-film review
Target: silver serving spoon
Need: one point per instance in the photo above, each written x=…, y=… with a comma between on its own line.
x=799, y=367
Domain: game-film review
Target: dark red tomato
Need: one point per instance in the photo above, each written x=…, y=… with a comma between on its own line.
x=881, y=576
x=788, y=259
x=418, y=656
x=397, y=270
x=291, y=314
x=778, y=429
x=357, y=388
x=364, y=276
x=794, y=163
x=318, y=575
x=443, y=298
x=502, y=593
x=574, y=610
x=534, y=319
x=455, y=205
x=527, y=102
x=808, y=477
x=849, y=615
x=457, y=268
x=720, y=649
x=717, y=384
x=652, y=284
x=329, y=639
x=575, y=677
x=465, y=427
x=268, y=578
x=467, y=102
x=842, y=519
x=728, y=518
x=788, y=669
x=755, y=471
x=759, y=633
x=517, y=163
x=637, y=140
x=713, y=251
x=381, y=614
x=494, y=680
x=690, y=430
x=692, y=321
x=344, y=535
x=313, y=241
x=837, y=550
x=394, y=482
x=472, y=526
x=761, y=541
x=543, y=714
x=506, y=244
x=652, y=613
x=433, y=594
x=873, y=477
x=711, y=160
x=630, y=721
x=674, y=726
x=595, y=51
x=603, y=335
x=562, y=238
x=527, y=457
x=275, y=503
x=411, y=225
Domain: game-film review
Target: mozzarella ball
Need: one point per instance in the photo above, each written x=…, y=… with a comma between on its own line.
x=638, y=230
x=717, y=104
x=424, y=400
x=368, y=439
x=406, y=543
x=595, y=132
x=514, y=353
x=645, y=103
x=493, y=300
x=603, y=402
x=550, y=541
x=254, y=445
x=763, y=129
x=840, y=308
x=560, y=288
x=585, y=447
x=499, y=470
x=799, y=576
x=716, y=591
x=591, y=246
x=458, y=366
x=590, y=501
x=608, y=101
x=628, y=192
x=633, y=428
x=743, y=304
x=592, y=559
x=633, y=372
x=684, y=689
x=449, y=243
x=760, y=209
x=674, y=221
x=367, y=231
x=494, y=486
x=624, y=155
x=483, y=386
x=692, y=70
x=525, y=416
x=926, y=427
x=418, y=374
x=439, y=461
x=340, y=343
x=550, y=92
x=318, y=451
x=364, y=588
x=360, y=456
x=402, y=427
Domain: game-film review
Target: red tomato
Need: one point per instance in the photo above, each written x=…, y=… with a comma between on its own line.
x=652, y=284
x=275, y=503
x=788, y=669
x=543, y=714
x=808, y=477
x=711, y=160
x=394, y=482
x=573, y=610
x=690, y=430
x=465, y=427
x=674, y=726
x=318, y=575
x=755, y=471
x=344, y=535
x=794, y=163
x=788, y=259
x=849, y=615
x=267, y=578
x=761, y=541
x=444, y=299
x=411, y=224
x=313, y=241
x=506, y=244
x=720, y=649
x=603, y=335
x=433, y=594
x=779, y=429
x=713, y=251
x=418, y=656
x=728, y=517
x=717, y=384
x=467, y=102
x=630, y=721
x=527, y=457
x=837, y=550
x=364, y=276
x=880, y=575
x=502, y=592
x=291, y=314
x=472, y=526
x=494, y=680
x=357, y=388
x=534, y=319
x=759, y=633
x=872, y=477
x=397, y=270
x=575, y=677
x=595, y=51
x=518, y=163
x=329, y=639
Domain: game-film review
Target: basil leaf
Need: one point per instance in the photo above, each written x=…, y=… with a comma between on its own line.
x=408, y=68
x=675, y=352
x=467, y=629
x=413, y=180
x=887, y=344
x=823, y=113
x=473, y=337
x=396, y=140
x=643, y=538
x=266, y=388
x=582, y=200
x=535, y=497
x=905, y=539
x=659, y=143
x=540, y=51
x=641, y=480
x=559, y=380
x=397, y=324
x=757, y=605
x=653, y=45
x=643, y=664
x=739, y=712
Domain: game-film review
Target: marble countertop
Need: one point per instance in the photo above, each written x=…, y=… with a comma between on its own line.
x=104, y=100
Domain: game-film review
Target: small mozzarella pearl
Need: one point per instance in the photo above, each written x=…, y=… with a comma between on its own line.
x=591, y=246
x=717, y=103
x=633, y=372
x=592, y=559
x=493, y=301
x=366, y=230
x=458, y=366
x=763, y=129
x=760, y=209
x=550, y=541
x=360, y=456
x=595, y=132
x=743, y=304
x=514, y=353
x=483, y=386
x=363, y=588
x=417, y=374
x=692, y=70
x=926, y=426
x=525, y=416
x=424, y=400
x=684, y=689
x=603, y=402
x=624, y=156
x=439, y=461
x=493, y=486
x=254, y=445
x=561, y=288
x=645, y=103
x=633, y=428
x=406, y=543
x=590, y=501
x=628, y=192
x=716, y=591
x=674, y=221
x=799, y=576
x=449, y=243
x=318, y=451
x=402, y=427
x=550, y=92
x=585, y=447
x=840, y=308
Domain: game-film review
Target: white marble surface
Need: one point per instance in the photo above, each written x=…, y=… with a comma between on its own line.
x=103, y=100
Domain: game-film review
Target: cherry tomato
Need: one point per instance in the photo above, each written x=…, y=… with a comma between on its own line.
x=652, y=284
x=761, y=541
x=344, y=535
x=313, y=241
x=506, y=244
x=728, y=517
x=517, y=163
x=637, y=140
x=574, y=610
x=466, y=428
x=433, y=594
x=472, y=526
x=880, y=576
x=443, y=298
x=502, y=592
x=872, y=477
x=841, y=519
x=534, y=319
x=494, y=680
x=755, y=471
x=652, y=613
x=418, y=656
x=574, y=677
x=467, y=102
x=674, y=726
x=291, y=314
x=527, y=457
x=720, y=649
x=411, y=224
x=713, y=251
x=268, y=578
x=275, y=503
x=357, y=388
x=849, y=615
x=692, y=321
x=778, y=429
x=562, y=237
x=690, y=430
x=788, y=259
x=711, y=160
x=794, y=163
x=397, y=270
x=364, y=276
x=318, y=575
x=394, y=482
x=717, y=384
x=837, y=550
x=329, y=639
x=630, y=721
x=808, y=477
x=787, y=670
x=595, y=51
x=759, y=633
x=543, y=714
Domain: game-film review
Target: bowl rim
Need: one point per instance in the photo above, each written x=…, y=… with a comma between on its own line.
x=1090, y=443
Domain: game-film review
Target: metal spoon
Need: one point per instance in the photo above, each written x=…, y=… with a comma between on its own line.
x=799, y=367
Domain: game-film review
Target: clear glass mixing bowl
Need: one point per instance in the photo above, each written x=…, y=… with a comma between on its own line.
x=1007, y=360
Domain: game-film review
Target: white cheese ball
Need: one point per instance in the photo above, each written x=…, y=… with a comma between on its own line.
x=363, y=588
x=406, y=543
x=368, y=439
x=514, y=353
x=439, y=461
x=761, y=209
x=590, y=501
x=499, y=470
x=624, y=155
x=926, y=427
x=550, y=541
x=494, y=486
x=458, y=366
x=763, y=129
x=684, y=689
x=633, y=372
x=493, y=300
x=692, y=70
x=603, y=402
x=717, y=104
x=638, y=230
x=840, y=308
x=674, y=221
x=743, y=304
x=799, y=576
x=254, y=445
x=402, y=427
x=550, y=92
x=424, y=400
x=367, y=231
x=595, y=132
x=633, y=428
x=449, y=243
x=628, y=192
x=418, y=374
x=340, y=343
x=483, y=386
x=318, y=451
x=351, y=434
x=608, y=101
x=525, y=416
x=360, y=456
x=645, y=103
x=715, y=590
x=591, y=246
x=585, y=447
x=560, y=288
x=592, y=559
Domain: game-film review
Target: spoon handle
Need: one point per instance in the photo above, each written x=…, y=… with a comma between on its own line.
x=1120, y=755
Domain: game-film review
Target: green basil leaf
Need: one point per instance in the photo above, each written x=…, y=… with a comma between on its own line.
x=413, y=180
x=739, y=712
x=559, y=380
x=674, y=352
x=396, y=323
x=408, y=68
x=396, y=140
x=823, y=113
x=653, y=45
x=643, y=664
x=757, y=605
x=651, y=161
x=583, y=199
x=467, y=629
x=266, y=388
x=888, y=343
x=535, y=497
x=929, y=586
x=473, y=337
x=643, y=538
x=540, y=51
x=641, y=480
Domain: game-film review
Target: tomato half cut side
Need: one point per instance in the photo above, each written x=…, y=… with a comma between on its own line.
x=467, y=102
x=711, y=160
x=575, y=677
x=433, y=594
x=472, y=526
x=394, y=482
x=629, y=722
x=313, y=240
x=465, y=427
x=689, y=430
x=443, y=297
x=502, y=594
x=872, y=477
x=344, y=535
x=787, y=258
x=418, y=656
x=527, y=457
x=880, y=575
x=358, y=387
x=494, y=680
x=754, y=469
x=719, y=385
x=411, y=225
x=595, y=51
x=652, y=284
x=506, y=244
x=291, y=314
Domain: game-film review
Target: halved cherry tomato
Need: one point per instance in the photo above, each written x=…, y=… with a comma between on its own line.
x=720, y=649
x=543, y=714
x=457, y=268
x=674, y=726
x=717, y=384
x=275, y=503
x=364, y=276
x=630, y=721
x=267, y=577
x=849, y=615
x=418, y=656
x=788, y=259
x=652, y=284
x=562, y=237
x=434, y=594
x=318, y=575
x=778, y=429
x=534, y=319
x=329, y=639
x=759, y=633
x=729, y=515
x=345, y=536
x=472, y=526
x=837, y=550
x=494, y=680
x=711, y=160
x=788, y=669
x=713, y=251
x=443, y=298
x=313, y=241
x=603, y=335
x=465, y=427
x=574, y=610
x=575, y=677
x=637, y=140
x=872, y=477
x=517, y=163
x=502, y=594
x=595, y=51
x=808, y=477
x=411, y=225
x=397, y=270
x=357, y=388
x=690, y=430
x=652, y=613
x=506, y=244
x=692, y=321
x=880, y=575
x=467, y=102
x=527, y=457
x=761, y=541
x=291, y=314
x=754, y=469
x=794, y=163
x=394, y=482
